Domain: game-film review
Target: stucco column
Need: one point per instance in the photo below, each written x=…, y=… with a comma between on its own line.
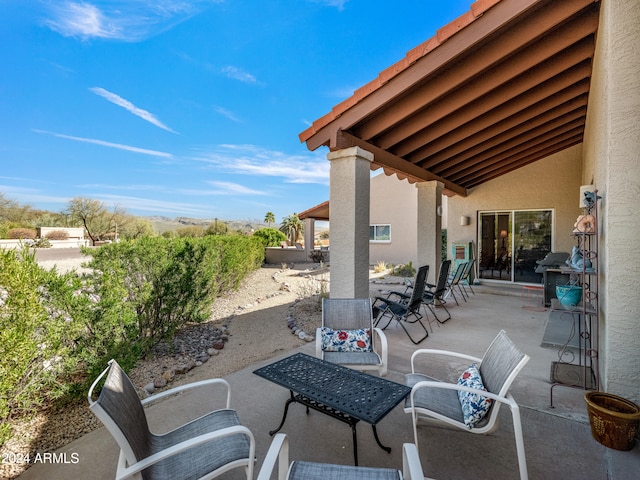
x=429, y=219
x=349, y=200
x=309, y=234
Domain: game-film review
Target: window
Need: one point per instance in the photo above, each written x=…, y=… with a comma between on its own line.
x=380, y=233
x=510, y=243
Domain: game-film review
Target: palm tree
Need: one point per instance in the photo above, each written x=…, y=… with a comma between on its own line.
x=292, y=226
x=270, y=218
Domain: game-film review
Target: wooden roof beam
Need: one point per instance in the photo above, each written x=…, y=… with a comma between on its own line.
x=384, y=158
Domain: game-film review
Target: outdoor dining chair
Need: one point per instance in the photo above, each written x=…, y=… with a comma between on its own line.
x=299, y=470
x=405, y=308
x=201, y=449
x=347, y=335
x=473, y=402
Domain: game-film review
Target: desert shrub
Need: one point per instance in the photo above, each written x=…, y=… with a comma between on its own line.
x=22, y=233
x=405, y=270
x=57, y=235
x=270, y=237
x=190, y=231
x=146, y=289
x=41, y=243
x=380, y=266
x=36, y=335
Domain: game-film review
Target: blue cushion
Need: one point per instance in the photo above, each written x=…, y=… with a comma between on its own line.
x=345, y=340
x=474, y=406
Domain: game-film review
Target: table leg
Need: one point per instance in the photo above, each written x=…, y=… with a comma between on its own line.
x=284, y=416
x=375, y=434
x=355, y=444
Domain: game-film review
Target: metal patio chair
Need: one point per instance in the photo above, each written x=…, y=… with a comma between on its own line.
x=201, y=449
x=435, y=297
x=473, y=403
x=345, y=323
x=406, y=307
x=299, y=470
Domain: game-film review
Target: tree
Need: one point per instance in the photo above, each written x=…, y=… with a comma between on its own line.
x=218, y=227
x=98, y=222
x=270, y=218
x=292, y=226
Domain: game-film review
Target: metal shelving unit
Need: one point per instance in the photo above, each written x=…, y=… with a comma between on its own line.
x=577, y=364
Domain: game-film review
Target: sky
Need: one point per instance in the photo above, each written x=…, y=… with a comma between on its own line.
x=182, y=108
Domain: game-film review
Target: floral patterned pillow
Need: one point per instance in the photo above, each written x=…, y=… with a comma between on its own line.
x=345, y=340
x=474, y=406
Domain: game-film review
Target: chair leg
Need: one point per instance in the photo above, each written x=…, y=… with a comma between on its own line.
x=415, y=342
x=445, y=309
x=517, y=431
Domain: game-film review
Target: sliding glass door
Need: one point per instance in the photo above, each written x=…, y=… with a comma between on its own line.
x=510, y=243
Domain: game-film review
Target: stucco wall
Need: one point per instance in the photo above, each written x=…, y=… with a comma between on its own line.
x=551, y=183
x=612, y=160
x=394, y=202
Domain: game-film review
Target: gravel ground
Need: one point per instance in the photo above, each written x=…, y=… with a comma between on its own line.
x=254, y=321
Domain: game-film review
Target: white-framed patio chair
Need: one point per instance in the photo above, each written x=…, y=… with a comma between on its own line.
x=201, y=449
x=298, y=470
x=347, y=336
x=462, y=404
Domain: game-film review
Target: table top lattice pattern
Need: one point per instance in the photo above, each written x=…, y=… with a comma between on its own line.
x=359, y=395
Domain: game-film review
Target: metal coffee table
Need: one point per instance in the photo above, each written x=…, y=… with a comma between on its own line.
x=337, y=391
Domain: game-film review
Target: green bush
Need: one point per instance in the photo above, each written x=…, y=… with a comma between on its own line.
x=148, y=288
x=405, y=270
x=36, y=335
x=57, y=331
x=270, y=237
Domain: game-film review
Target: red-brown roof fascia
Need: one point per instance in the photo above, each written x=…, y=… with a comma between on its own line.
x=442, y=35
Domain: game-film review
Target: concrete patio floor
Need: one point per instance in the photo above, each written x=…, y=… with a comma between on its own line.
x=558, y=440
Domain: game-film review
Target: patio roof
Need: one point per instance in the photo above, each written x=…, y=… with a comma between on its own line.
x=500, y=87
x=319, y=212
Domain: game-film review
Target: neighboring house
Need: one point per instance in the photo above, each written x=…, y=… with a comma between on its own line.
x=392, y=221
x=508, y=110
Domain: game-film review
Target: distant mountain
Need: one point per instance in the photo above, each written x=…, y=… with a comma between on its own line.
x=163, y=224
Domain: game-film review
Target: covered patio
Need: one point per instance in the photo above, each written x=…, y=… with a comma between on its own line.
x=557, y=441
x=514, y=105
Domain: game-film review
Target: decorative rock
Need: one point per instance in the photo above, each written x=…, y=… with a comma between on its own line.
x=301, y=335
x=182, y=369
x=218, y=345
x=159, y=383
x=168, y=375
x=149, y=387
x=212, y=352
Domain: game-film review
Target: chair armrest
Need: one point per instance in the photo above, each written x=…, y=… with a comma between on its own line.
x=411, y=466
x=318, y=343
x=188, y=386
x=384, y=350
x=431, y=351
x=279, y=450
x=508, y=399
x=136, y=468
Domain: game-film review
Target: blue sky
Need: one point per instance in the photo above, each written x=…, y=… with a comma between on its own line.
x=187, y=108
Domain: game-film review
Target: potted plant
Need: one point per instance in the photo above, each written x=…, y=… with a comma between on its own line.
x=614, y=420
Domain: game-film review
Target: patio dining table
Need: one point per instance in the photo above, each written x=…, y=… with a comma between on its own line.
x=340, y=392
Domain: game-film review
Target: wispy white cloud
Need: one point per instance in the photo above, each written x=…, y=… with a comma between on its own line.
x=339, y=4
x=226, y=113
x=103, y=143
x=253, y=160
x=236, y=73
x=128, y=21
x=233, y=188
x=164, y=207
x=130, y=107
